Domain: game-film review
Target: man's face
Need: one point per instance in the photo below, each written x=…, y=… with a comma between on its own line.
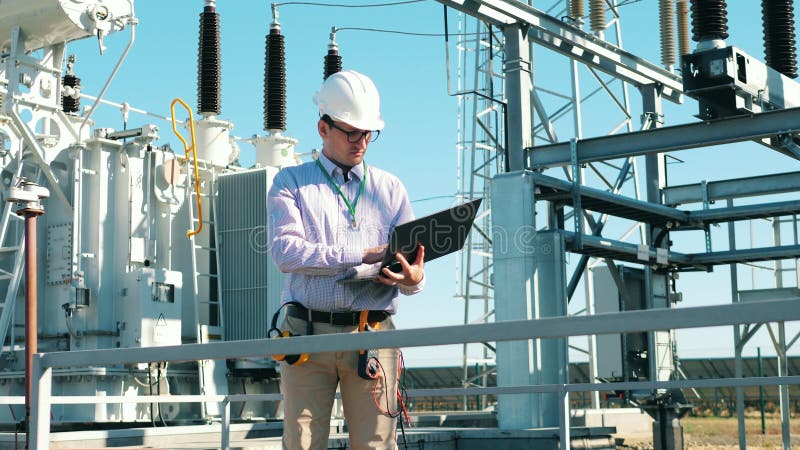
x=336, y=144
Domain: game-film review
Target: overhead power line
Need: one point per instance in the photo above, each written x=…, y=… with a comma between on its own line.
x=343, y=5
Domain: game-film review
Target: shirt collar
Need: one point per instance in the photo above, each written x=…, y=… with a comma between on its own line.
x=333, y=169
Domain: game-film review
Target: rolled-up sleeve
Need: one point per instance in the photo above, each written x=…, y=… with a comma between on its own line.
x=413, y=289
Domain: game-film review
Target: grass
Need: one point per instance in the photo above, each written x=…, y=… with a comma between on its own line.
x=722, y=433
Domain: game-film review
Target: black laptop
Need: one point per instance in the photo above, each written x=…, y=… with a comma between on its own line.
x=440, y=233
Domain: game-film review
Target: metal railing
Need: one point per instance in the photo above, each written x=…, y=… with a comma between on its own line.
x=548, y=328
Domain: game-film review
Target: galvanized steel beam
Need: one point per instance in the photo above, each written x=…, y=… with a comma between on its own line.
x=668, y=139
x=746, y=255
x=745, y=212
x=734, y=188
x=573, y=43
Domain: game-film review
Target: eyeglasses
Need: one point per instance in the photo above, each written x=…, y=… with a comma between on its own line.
x=354, y=136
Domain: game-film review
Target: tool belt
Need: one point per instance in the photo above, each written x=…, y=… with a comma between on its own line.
x=340, y=319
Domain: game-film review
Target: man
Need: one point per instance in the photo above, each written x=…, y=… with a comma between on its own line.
x=327, y=218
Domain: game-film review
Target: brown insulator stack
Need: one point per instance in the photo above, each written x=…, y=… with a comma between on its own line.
x=684, y=45
x=666, y=18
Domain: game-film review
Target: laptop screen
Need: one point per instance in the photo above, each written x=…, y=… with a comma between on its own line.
x=441, y=233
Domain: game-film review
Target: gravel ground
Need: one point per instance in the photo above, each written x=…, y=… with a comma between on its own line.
x=722, y=433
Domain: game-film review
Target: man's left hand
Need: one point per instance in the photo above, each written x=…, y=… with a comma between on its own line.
x=410, y=275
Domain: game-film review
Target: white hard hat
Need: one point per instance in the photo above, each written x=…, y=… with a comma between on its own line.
x=352, y=98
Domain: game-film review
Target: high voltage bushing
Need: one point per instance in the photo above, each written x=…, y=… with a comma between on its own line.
x=333, y=63
x=209, y=63
x=577, y=8
x=683, y=27
x=667, y=24
x=597, y=15
x=779, y=37
x=71, y=103
x=709, y=20
x=275, y=82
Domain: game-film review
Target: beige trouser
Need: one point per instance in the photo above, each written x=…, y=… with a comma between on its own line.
x=309, y=389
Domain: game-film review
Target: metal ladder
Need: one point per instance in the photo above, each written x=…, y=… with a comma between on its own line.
x=206, y=250
x=17, y=256
x=204, y=370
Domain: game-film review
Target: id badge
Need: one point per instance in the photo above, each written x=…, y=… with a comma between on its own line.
x=354, y=237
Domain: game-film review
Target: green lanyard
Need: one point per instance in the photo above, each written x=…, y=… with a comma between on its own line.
x=350, y=207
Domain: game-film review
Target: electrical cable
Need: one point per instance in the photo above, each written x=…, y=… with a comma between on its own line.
x=617, y=7
x=341, y=5
x=400, y=391
x=626, y=3
x=402, y=398
x=386, y=412
x=150, y=384
x=158, y=386
x=402, y=395
x=244, y=403
x=408, y=33
x=139, y=382
x=435, y=197
x=403, y=433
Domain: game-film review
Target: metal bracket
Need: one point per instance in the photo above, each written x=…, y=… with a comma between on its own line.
x=653, y=118
x=577, y=209
x=707, y=230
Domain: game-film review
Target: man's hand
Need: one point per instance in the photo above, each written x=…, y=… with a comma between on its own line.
x=374, y=255
x=411, y=274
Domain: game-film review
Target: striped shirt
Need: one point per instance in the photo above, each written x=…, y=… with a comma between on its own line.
x=313, y=239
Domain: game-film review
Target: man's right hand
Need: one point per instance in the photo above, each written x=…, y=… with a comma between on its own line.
x=374, y=255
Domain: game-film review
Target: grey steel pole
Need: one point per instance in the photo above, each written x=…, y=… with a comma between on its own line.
x=761, y=393
x=737, y=337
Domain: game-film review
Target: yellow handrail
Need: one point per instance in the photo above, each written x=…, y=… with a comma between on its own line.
x=193, y=149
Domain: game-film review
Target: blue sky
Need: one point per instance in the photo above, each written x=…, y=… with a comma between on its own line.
x=418, y=143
